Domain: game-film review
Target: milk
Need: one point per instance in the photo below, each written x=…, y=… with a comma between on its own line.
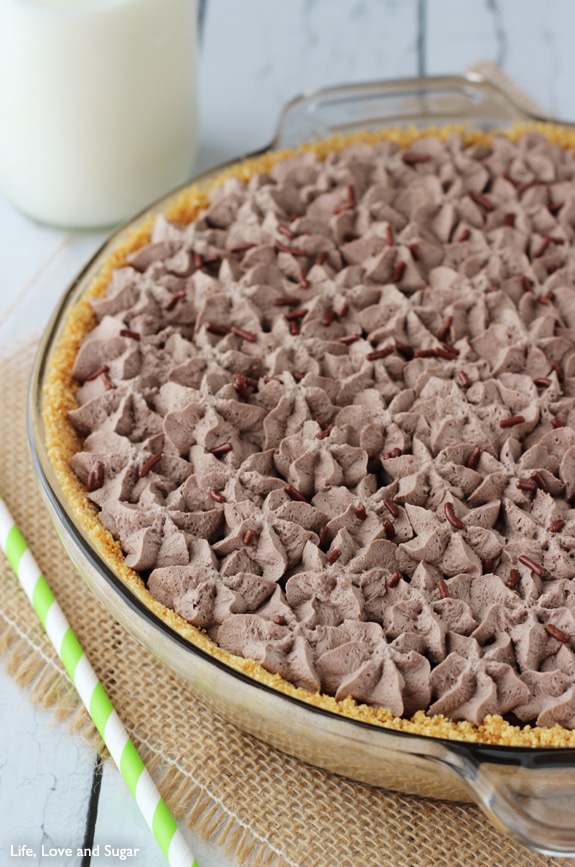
x=97, y=105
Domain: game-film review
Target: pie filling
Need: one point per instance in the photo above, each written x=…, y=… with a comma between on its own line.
x=332, y=423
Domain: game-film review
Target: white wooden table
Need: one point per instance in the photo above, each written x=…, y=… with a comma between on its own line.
x=255, y=55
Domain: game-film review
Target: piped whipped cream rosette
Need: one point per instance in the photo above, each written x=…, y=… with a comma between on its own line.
x=332, y=423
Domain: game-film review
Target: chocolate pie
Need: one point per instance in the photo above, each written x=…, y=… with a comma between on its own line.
x=327, y=413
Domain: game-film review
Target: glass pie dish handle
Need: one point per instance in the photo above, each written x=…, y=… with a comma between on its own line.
x=527, y=793
x=472, y=100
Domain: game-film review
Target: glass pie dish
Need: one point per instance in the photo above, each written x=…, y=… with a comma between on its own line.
x=529, y=792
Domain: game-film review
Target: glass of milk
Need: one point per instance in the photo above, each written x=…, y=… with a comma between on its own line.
x=97, y=105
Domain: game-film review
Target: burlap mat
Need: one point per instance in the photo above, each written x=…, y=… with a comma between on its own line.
x=267, y=808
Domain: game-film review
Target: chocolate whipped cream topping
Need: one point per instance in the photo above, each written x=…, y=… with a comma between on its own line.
x=332, y=423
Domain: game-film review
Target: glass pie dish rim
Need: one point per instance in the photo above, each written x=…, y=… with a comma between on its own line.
x=520, y=756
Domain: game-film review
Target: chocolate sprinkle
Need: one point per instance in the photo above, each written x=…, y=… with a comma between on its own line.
x=288, y=301
x=147, y=465
x=328, y=318
x=177, y=296
x=389, y=529
x=411, y=159
x=294, y=251
x=127, y=332
x=415, y=252
x=394, y=579
x=212, y=328
x=531, y=564
x=323, y=535
x=511, y=422
x=297, y=314
x=556, y=526
x=558, y=371
x=241, y=332
x=294, y=494
x=540, y=481
x=108, y=384
x=380, y=353
x=482, y=200
x=443, y=589
x=391, y=507
x=216, y=496
x=447, y=354
x=348, y=338
x=474, y=458
x=223, y=449
x=95, y=478
x=333, y=555
x=452, y=517
x=398, y=271
x=241, y=386
x=96, y=373
x=445, y=328
x=557, y=633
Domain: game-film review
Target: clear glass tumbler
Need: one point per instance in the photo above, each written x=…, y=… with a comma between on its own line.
x=97, y=105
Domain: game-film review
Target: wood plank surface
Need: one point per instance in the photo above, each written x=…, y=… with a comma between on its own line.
x=254, y=56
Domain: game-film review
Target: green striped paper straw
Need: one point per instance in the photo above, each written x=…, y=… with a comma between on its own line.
x=91, y=691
